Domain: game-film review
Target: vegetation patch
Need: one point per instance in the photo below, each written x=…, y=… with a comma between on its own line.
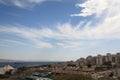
x=71, y=77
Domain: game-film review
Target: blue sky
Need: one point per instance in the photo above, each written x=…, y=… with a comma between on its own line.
x=58, y=30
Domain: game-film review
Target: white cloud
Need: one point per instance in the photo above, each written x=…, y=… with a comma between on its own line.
x=70, y=44
x=91, y=7
x=28, y=34
x=108, y=11
x=22, y=3
x=69, y=36
x=11, y=43
x=35, y=1
x=42, y=44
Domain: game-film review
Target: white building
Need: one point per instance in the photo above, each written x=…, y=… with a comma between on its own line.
x=6, y=68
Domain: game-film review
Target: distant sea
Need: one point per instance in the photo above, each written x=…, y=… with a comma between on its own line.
x=22, y=64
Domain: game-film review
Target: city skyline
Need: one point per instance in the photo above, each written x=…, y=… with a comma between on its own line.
x=58, y=30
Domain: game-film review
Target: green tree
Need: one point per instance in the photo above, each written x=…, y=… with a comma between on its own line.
x=89, y=65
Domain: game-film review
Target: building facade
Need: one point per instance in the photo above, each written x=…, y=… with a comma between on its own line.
x=99, y=59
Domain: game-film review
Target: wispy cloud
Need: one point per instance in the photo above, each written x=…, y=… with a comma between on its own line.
x=91, y=7
x=1, y=1
x=28, y=34
x=12, y=41
x=70, y=44
x=24, y=3
x=68, y=35
x=107, y=12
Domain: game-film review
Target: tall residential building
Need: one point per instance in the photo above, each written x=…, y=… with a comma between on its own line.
x=99, y=60
x=118, y=57
x=108, y=57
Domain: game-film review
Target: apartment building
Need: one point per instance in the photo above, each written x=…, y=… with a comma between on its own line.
x=99, y=59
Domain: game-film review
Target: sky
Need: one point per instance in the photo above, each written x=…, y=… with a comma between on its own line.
x=58, y=30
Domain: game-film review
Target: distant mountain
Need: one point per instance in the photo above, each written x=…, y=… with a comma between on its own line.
x=9, y=60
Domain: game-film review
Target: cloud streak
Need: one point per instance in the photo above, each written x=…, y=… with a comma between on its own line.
x=68, y=35
x=10, y=43
x=24, y=3
x=93, y=7
x=66, y=32
x=28, y=34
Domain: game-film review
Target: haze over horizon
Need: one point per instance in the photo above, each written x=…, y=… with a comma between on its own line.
x=58, y=30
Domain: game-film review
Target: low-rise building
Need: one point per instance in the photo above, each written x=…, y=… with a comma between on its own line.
x=7, y=68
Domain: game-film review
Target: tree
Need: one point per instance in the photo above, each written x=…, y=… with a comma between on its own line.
x=108, y=64
x=89, y=65
x=111, y=74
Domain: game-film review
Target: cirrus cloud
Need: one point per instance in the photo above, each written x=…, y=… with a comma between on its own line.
x=24, y=3
x=96, y=7
x=70, y=36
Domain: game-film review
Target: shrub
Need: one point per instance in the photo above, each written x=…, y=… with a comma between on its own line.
x=71, y=77
x=3, y=76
